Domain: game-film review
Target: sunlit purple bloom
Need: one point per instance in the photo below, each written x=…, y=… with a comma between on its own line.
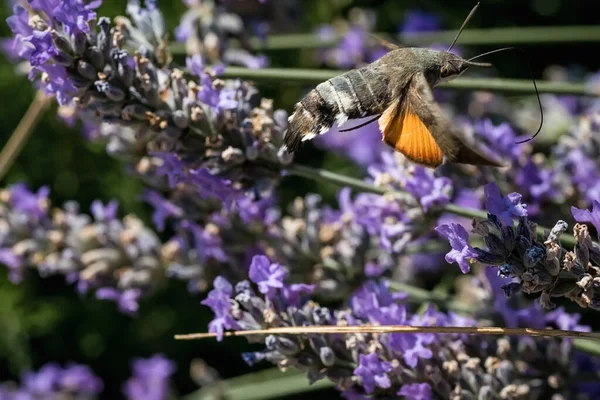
x=462, y=252
x=150, y=380
x=75, y=14
x=57, y=82
x=416, y=391
x=218, y=300
x=583, y=215
x=429, y=190
x=267, y=275
x=505, y=208
x=373, y=372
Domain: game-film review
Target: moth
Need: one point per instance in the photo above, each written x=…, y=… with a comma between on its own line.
x=397, y=90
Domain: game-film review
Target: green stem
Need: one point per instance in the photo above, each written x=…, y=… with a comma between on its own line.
x=315, y=76
x=268, y=384
x=331, y=177
x=494, y=36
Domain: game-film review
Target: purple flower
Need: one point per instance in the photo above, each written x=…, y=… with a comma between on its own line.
x=74, y=15
x=163, y=209
x=363, y=145
x=461, y=253
x=43, y=381
x=80, y=379
x=150, y=380
x=208, y=244
x=583, y=215
x=195, y=64
x=171, y=167
x=127, y=299
x=14, y=264
x=566, y=321
x=57, y=82
x=268, y=276
x=501, y=137
x=419, y=21
x=505, y=208
x=293, y=293
x=29, y=203
x=104, y=213
x=219, y=302
x=538, y=181
x=416, y=391
x=373, y=372
x=430, y=191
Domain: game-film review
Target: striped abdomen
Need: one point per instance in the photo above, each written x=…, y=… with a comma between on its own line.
x=355, y=94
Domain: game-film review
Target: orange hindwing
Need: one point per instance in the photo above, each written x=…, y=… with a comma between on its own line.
x=406, y=133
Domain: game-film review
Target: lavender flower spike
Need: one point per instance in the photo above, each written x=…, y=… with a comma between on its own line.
x=541, y=267
x=421, y=366
x=120, y=258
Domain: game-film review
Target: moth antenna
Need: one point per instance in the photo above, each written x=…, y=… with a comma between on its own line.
x=537, y=93
x=463, y=25
x=385, y=43
x=359, y=125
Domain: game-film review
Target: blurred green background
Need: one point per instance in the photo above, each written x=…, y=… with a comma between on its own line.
x=45, y=320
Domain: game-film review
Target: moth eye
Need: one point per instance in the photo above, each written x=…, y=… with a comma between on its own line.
x=445, y=72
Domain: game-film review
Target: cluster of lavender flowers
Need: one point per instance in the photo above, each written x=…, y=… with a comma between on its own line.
x=417, y=366
x=537, y=266
x=120, y=259
x=210, y=153
x=150, y=380
x=220, y=132
x=73, y=382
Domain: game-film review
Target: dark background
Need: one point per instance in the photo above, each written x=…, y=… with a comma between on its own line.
x=44, y=320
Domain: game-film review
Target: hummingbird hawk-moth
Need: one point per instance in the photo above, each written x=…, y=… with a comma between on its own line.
x=396, y=89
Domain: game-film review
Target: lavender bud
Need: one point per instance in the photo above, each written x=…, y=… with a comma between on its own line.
x=111, y=92
x=95, y=57
x=62, y=44
x=63, y=58
x=79, y=40
x=87, y=70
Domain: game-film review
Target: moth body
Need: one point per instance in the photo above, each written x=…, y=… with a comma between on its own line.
x=354, y=94
x=397, y=87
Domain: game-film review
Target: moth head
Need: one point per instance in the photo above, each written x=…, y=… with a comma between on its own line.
x=453, y=66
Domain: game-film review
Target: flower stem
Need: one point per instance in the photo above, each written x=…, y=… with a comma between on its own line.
x=252, y=386
x=493, y=36
x=22, y=132
x=501, y=85
x=331, y=177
